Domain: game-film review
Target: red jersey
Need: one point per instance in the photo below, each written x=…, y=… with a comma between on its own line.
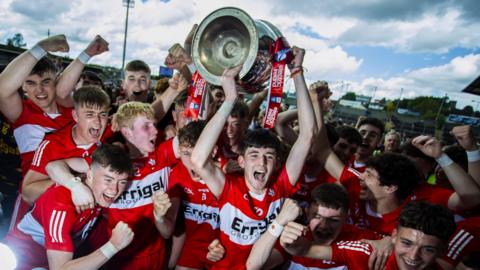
x=32, y=125
x=465, y=240
x=307, y=184
x=245, y=216
x=135, y=206
x=364, y=217
x=54, y=224
x=60, y=145
x=200, y=209
x=431, y=193
x=348, y=233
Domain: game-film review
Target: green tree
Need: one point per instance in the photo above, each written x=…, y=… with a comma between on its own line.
x=350, y=96
x=16, y=41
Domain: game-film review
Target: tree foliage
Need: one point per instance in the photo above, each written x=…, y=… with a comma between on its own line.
x=16, y=41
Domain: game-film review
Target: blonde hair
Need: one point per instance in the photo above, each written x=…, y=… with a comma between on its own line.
x=127, y=112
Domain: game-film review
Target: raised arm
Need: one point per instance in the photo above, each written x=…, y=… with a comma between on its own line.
x=122, y=236
x=12, y=78
x=321, y=147
x=255, y=103
x=306, y=120
x=466, y=139
x=70, y=76
x=162, y=103
x=282, y=126
x=213, y=176
x=165, y=212
x=263, y=255
x=467, y=192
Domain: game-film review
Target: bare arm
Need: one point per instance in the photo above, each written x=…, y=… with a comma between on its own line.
x=18, y=70
x=321, y=147
x=165, y=213
x=466, y=139
x=282, y=127
x=59, y=171
x=34, y=185
x=263, y=250
x=163, y=102
x=256, y=101
x=122, y=236
x=70, y=76
x=467, y=193
x=214, y=177
x=306, y=120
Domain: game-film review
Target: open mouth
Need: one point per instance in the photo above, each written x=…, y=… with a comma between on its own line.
x=411, y=263
x=194, y=174
x=41, y=97
x=108, y=198
x=137, y=93
x=94, y=132
x=259, y=176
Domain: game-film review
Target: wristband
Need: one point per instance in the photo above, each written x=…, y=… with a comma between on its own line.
x=444, y=160
x=226, y=108
x=83, y=57
x=275, y=229
x=108, y=250
x=473, y=156
x=37, y=51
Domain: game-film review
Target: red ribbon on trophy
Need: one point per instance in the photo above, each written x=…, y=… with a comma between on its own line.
x=195, y=96
x=282, y=55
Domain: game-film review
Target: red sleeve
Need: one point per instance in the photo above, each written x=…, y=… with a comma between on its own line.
x=165, y=153
x=57, y=221
x=45, y=153
x=351, y=253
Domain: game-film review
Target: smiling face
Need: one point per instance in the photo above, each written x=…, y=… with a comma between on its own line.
x=136, y=85
x=415, y=250
x=258, y=164
x=325, y=223
x=41, y=89
x=371, y=188
x=345, y=150
x=106, y=185
x=235, y=130
x=91, y=123
x=185, y=153
x=371, y=137
x=142, y=134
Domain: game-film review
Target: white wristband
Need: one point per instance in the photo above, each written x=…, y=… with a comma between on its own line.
x=108, y=250
x=83, y=57
x=37, y=51
x=473, y=156
x=275, y=229
x=444, y=160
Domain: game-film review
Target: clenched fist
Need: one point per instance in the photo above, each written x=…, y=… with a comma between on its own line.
x=161, y=203
x=122, y=235
x=56, y=43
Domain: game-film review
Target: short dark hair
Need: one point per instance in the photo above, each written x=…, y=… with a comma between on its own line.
x=180, y=101
x=137, y=65
x=240, y=110
x=428, y=218
x=374, y=122
x=332, y=134
x=350, y=134
x=189, y=134
x=43, y=66
x=408, y=149
x=396, y=170
x=261, y=138
x=331, y=195
x=91, y=97
x=92, y=77
x=114, y=156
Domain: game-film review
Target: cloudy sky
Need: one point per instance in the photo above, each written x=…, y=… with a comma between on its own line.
x=371, y=47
